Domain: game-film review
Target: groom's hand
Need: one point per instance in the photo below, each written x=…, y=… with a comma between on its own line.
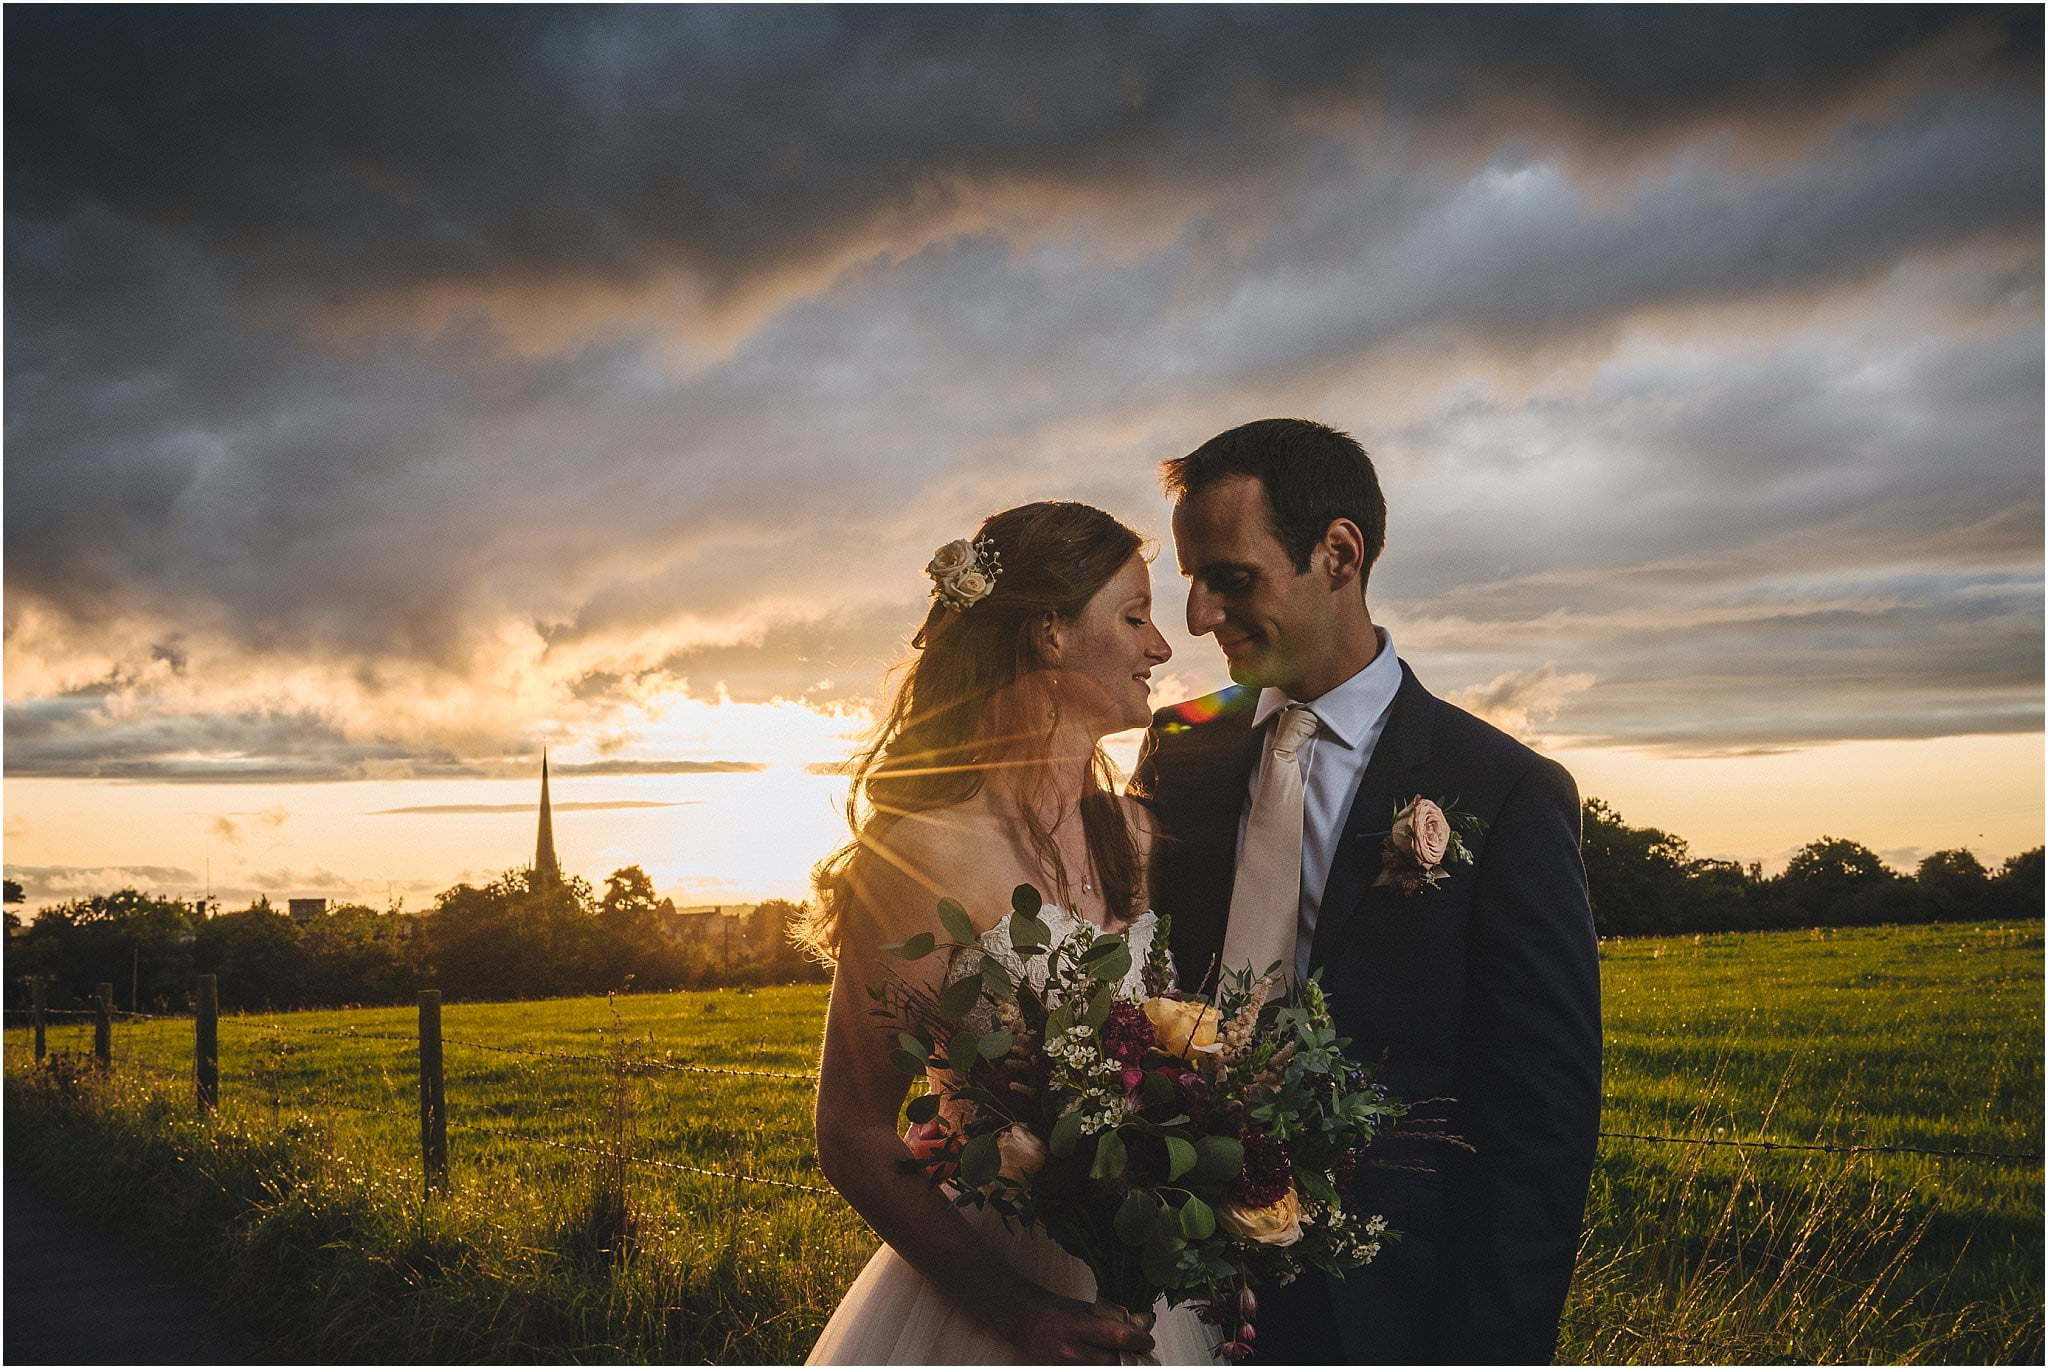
x=1051, y=1329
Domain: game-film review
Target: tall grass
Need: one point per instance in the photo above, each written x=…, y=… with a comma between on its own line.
x=302, y=1201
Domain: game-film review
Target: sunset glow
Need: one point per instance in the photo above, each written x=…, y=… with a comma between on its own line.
x=606, y=381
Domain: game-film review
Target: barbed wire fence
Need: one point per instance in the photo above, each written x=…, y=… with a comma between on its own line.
x=429, y=1043
x=424, y=1061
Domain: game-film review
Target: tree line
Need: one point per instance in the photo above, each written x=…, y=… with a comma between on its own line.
x=523, y=935
x=1645, y=882
x=527, y=936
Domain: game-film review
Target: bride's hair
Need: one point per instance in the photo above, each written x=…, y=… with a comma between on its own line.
x=960, y=711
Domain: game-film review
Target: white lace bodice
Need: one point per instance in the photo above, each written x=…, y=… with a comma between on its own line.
x=995, y=944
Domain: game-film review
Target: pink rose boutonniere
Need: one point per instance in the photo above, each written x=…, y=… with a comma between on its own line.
x=1426, y=836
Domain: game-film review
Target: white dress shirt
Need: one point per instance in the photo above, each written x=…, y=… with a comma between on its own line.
x=1349, y=720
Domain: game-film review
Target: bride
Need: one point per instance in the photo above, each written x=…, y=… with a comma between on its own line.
x=986, y=775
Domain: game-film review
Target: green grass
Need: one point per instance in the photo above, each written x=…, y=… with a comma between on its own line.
x=303, y=1200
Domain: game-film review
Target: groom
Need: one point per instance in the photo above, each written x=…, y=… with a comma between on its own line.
x=1476, y=999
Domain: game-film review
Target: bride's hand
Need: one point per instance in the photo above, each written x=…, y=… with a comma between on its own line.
x=1051, y=1329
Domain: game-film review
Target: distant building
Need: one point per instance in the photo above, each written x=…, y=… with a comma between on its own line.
x=546, y=868
x=708, y=925
x=306, y=909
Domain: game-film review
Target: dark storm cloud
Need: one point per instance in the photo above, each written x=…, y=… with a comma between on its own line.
x=73, y=737
x=339, y=149
x=978, y=256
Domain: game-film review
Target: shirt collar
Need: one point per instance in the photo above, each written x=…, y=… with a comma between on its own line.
x=1351, y=710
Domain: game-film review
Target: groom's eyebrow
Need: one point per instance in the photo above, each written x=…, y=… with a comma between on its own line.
x=1210, y=569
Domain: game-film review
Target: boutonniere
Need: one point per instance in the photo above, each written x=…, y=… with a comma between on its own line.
x=1426, y=836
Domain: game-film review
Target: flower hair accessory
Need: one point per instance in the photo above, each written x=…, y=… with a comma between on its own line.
x=964, y=573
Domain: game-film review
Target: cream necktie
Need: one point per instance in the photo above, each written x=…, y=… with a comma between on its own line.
x=1265, y=898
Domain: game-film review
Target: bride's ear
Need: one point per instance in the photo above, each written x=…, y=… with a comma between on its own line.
x=1049, y=639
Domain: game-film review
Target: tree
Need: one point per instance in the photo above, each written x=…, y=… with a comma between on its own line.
x=257, y=955
x=126, y=938
x=1955, y=882
x=1634, y=875
x=356, y=955
x=628, y=889
x=521, y=936
x=1838, y=881
x=14, y=892
x=2015, y=890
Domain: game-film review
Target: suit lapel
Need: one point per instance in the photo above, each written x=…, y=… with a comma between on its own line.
x=1391, y=778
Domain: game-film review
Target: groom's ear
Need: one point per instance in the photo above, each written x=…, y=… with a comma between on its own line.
x=1342, y=553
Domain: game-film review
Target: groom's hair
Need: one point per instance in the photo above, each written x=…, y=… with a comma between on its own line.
x=1312, y=475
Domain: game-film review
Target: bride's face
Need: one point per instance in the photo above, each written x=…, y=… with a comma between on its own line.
x=1106, y=655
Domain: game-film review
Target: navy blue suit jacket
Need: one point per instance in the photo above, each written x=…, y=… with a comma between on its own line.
x=1477, y=1001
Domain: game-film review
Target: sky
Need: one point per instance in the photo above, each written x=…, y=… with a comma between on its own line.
x=393, y=392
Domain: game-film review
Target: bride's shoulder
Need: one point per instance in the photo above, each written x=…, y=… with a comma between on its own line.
x=921, y=858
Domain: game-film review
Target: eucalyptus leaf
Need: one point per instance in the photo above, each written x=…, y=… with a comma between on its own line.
x=917, y=948
x=912, y=1065
x=1197, y=1220
x=1114, y=966
x=963, y=1048
x=1099, y=1004
x=922, y=1108
x=995, y=980
x=1025, y=900
x=980, y=1161
x=1110, y=1157
x=1134, y=1217
x=957, y=999
x=916, y=1045
x=1218, y=1159
x=1028, y=935
x=1100, y=947
x=1066, y=1133
x=956, y=922
x=995, y=1045
x=1180, y=1157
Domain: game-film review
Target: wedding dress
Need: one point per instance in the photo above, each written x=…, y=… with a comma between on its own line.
x=893, y=1315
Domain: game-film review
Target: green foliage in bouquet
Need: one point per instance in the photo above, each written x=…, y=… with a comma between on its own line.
x=1180, y=1148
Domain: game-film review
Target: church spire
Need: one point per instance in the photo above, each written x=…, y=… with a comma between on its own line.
x=544, y=864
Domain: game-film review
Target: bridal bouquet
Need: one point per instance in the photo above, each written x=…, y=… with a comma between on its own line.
x=1180, y=1146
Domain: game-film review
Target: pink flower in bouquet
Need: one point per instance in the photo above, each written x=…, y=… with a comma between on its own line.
x=1127, y=1035
x=925, y=1140
x=1133, y=1076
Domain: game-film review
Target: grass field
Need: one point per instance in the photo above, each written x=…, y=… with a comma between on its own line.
x=302, y=1201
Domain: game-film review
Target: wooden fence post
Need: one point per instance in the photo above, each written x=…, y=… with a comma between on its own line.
x=103, y=1024
x=433, y=1103
x=206, y=1042
x=38, y=1004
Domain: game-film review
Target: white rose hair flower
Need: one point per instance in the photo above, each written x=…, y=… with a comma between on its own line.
x=964, y=573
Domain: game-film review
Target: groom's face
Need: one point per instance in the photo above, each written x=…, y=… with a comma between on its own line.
x=1270, y=619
